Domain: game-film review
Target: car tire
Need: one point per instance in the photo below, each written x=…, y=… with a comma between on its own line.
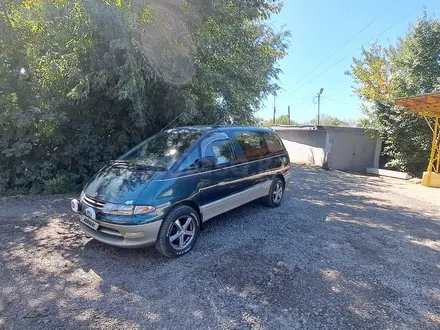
x=276, y=193
x=178, y=232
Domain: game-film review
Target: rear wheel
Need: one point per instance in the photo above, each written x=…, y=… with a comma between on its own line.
x=179, y=232
x=276, y=193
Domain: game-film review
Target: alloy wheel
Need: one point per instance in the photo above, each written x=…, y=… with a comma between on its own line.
x=278, y=192
x=182, y=232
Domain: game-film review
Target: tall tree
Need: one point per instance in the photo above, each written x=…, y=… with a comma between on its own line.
x=383, y=74
x=81, y=81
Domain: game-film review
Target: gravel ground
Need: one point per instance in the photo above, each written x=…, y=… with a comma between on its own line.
x=343, y=251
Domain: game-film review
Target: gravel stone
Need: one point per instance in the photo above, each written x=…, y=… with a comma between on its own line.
x=343, y=251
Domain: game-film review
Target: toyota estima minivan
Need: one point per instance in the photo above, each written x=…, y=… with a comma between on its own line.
x=160, y=192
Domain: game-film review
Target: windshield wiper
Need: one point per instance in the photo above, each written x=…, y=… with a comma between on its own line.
x=139, y=167
x=119, y=161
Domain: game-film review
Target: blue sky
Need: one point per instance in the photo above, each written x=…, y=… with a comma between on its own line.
x=319, y=28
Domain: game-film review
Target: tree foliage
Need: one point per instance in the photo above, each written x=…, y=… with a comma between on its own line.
x=325, y=120
x=329, y=120
x=382, y=74
x=280, y=120
x=82, y=81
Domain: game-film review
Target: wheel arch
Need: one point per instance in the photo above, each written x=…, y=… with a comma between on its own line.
x=191, y=204
x=281, y=176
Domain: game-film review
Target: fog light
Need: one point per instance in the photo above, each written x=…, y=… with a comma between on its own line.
x=74, y=204
x=136, y=234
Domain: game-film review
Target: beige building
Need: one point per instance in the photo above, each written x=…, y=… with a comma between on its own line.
x=341, y=148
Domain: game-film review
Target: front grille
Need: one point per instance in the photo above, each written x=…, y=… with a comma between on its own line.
x=109, y=231
x=97, y=204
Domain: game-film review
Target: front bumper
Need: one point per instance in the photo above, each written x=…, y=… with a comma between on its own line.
x=113, y=234
x=114, y=230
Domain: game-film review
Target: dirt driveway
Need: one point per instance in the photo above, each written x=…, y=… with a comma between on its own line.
x=342, y=252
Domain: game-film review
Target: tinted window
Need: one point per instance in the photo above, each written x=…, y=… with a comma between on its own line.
x=163, y=149
x=273, y=143
x=191, y=161
x=252, y=144
x=220, y=151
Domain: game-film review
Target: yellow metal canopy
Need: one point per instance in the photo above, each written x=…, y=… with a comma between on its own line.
x=427, y=105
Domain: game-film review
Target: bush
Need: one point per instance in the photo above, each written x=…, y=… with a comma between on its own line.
x=81, y=82
x=62, y=183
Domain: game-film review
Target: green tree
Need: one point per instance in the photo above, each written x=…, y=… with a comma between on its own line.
x=383, y=74
x=327, y=120
x=281, y=120
x=82, y=81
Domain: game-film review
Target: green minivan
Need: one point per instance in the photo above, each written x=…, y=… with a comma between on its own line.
x=163, y=190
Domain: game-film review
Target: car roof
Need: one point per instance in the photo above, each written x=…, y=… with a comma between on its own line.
x=218, y=128
x=242, y=128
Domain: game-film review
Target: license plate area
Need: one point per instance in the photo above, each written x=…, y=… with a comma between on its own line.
x=89, y=222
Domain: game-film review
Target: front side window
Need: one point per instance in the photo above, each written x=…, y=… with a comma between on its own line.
x=220, y=151
x=162, y=150
x=191, y=161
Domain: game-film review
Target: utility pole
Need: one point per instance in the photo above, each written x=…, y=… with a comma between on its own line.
x=274, y=108
x=288, y=113
x=319, y=107
x=319, y=103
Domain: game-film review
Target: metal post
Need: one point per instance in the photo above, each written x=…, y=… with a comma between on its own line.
x=433, y=148
x=437, y=145
x=288, y=113
x=319, y=104
x=319, y=107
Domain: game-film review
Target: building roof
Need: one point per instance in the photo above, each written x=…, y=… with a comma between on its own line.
x=316, y=128
x=426, y=105
x=238, y=127
x=220, y=128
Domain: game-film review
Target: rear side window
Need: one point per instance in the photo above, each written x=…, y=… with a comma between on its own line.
x=252, y=144
x=273, y=143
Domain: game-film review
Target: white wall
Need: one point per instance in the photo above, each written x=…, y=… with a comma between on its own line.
x=302, y=153
x=304, y=146
x=344, y=148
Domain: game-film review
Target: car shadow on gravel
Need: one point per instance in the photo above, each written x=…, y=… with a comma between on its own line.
x=339, y=253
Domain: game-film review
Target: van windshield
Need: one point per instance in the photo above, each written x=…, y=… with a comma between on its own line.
x=161, y=150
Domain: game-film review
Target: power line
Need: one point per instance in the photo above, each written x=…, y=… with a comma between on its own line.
x=339, y=92
x=309, y=99
x=344, y=44
x=345, y=57
x=293, y=98
x=336, y=101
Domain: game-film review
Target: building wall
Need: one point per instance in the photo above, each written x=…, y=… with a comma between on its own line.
x=344, y=148
x=351, y=150
x=304, y=146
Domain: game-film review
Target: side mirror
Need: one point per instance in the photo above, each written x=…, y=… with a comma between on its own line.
x=207, y=162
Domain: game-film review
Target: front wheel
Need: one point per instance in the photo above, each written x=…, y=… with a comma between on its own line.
x=179, y=232
x=276, y=193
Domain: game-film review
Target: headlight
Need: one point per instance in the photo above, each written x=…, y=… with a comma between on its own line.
x=143, y=209
x=120, y=209
x=74, y=204
x=117, y=209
